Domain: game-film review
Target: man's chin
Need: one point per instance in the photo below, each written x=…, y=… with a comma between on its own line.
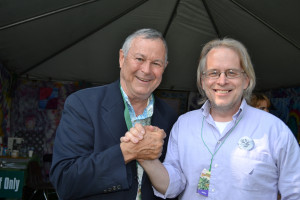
x=143, y=94
x=220, y=105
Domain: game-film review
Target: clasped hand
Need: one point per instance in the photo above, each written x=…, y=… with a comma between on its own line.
x=143, y=142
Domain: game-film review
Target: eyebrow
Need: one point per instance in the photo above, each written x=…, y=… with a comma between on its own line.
x=142, y=55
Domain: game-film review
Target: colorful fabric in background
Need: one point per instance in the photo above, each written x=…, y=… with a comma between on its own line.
x=285, y=104
x=36, y=110
x=48, y=98
x=5, y=101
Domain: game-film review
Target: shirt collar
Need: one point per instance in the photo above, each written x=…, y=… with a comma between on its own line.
x=206, y=109
x=148, y=111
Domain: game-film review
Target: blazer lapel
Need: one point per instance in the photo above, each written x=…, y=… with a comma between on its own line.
x=113, y=111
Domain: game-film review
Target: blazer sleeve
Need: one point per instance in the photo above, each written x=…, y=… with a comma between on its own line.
x=77, y=169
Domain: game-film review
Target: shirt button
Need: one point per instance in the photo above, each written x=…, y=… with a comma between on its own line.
x=213, y=190
x=216, y=165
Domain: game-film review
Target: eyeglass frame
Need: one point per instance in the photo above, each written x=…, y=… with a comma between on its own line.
x=239, y=73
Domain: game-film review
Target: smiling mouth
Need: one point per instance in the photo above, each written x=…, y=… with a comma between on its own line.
x=144, y=80
x=222, y=91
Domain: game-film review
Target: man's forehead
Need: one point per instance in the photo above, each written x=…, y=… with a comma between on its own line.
x=223, y=54
x=139, y=47
x=222, y=49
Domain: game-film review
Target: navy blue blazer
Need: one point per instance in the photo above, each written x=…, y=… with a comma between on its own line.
x=87, y=159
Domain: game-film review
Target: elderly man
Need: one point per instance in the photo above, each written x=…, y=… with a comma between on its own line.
x=227, y=149
x=88, y=160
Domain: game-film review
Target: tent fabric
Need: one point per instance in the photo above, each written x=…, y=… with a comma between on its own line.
x=79, y=40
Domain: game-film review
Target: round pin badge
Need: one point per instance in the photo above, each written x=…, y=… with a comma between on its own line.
x=246, y=143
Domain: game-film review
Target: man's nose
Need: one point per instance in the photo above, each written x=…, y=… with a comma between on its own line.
x=222, y=78
x=146, y=67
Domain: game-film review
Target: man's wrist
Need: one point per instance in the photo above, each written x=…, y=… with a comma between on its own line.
x=127, y=155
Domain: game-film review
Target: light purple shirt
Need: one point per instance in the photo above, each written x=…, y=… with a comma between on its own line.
x=236, y=173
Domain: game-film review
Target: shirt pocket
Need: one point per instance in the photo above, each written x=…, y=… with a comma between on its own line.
x=253, y=173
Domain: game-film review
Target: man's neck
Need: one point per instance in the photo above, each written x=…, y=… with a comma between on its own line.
x=223, y=114
x=138, y=105
x=220, y=117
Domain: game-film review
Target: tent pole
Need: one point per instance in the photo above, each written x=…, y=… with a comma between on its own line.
x=211, y=18
x=46, y=14
x=267, y=24
x=99, y=28
x=171, y=18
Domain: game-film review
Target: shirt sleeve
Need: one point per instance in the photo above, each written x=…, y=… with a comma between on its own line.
x=172, y=164
x=289, y=167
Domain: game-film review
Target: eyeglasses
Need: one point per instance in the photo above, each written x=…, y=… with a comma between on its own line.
x=229, y=73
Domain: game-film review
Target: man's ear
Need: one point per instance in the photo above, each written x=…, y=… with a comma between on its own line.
x=166, y=64
x=121, y=58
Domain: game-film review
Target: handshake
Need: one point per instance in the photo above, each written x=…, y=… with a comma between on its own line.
x=142, y=143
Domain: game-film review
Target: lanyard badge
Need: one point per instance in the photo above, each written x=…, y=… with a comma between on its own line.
x=203, y=184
